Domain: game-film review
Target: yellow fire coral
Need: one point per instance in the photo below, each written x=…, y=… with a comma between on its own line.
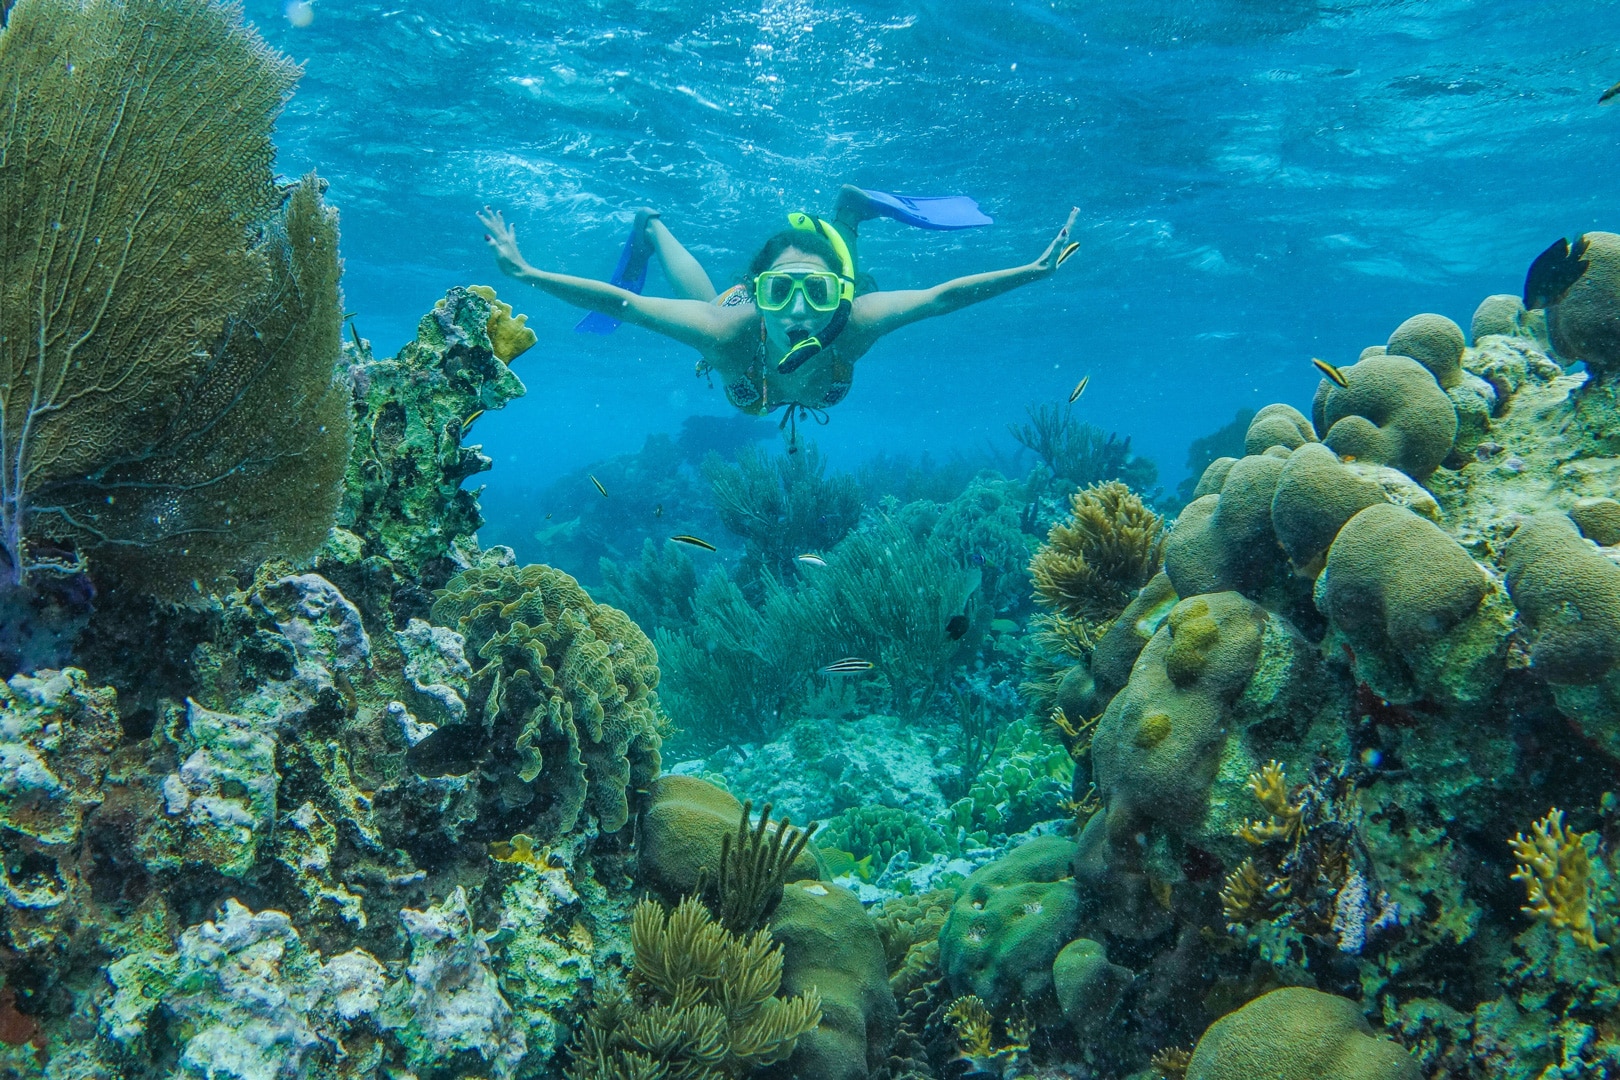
x=508, y=337
x=1270, y=788
x=1110, y=546
x=1247, y=897
x=1556, y=869
x=972, y=1020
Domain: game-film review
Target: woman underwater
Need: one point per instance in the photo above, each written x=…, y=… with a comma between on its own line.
x=790, y=335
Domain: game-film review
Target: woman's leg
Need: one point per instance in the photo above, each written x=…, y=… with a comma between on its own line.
x=854, y=207
x=689, y=279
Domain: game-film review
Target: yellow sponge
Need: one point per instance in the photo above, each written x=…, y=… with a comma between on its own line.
x=507, y=335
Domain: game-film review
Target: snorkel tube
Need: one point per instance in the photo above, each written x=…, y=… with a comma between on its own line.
x=802, y=345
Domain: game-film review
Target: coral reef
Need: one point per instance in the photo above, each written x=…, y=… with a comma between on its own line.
x=1093, y=563
x=1078, y=454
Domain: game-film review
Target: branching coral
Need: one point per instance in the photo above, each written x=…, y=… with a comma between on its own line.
x=888, y=597
x=1556, y=868
x=705, y=1004
x=971, y=1019
x=169, y=330
x=1247, y=897
x=571, y=722
x=1270, y=789
x=1108, y=548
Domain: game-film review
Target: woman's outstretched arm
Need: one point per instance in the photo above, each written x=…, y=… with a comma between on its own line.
x=691, y=322
x=880, y=313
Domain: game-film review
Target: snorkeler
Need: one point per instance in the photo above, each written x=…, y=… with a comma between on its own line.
x=790, y=334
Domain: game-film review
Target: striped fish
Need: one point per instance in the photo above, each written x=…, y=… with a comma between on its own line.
x=693, y=542
x=849, y=665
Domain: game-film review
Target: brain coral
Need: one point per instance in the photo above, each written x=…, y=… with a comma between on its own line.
x=570, y=720
x=1393, y=412
x=1316, y=494
x=1298, y=1034
x=1412, y=605
x=1570, y=595
x=1433, y=341
x=1585, y=324
x=1277, y=425
x=1225, y=541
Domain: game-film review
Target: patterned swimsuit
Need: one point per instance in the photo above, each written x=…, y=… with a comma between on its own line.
x=751, y=393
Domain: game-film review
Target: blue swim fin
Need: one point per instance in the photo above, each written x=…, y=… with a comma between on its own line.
x=630, y=273
x=942, y=212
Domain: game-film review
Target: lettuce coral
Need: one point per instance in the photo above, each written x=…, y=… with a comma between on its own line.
x=570, y=720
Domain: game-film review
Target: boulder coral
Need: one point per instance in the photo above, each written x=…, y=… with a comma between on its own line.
x=1278, y=425
x=680, y=832
x=1568, y=593
x=1298, y=1034
x=1392, y=412
x=1420, y=624
x=569, y=721
x=830, y=947
x=1316, y=494
x=1008, y=925
x=1225, y=541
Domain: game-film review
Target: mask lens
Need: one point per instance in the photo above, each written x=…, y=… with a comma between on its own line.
x=821, y=291
x=774, y=291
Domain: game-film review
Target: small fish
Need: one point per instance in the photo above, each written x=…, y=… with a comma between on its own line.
x=658, y=511
x=467, y=424
x=1003, y=626
x=1064, y=256
x=1330, y=373
x=1079, y=388
x=354, y=333
x=1610, y=94
x=812, y=559
x=849, y=665
x=1554, y=272
x=956, y=627
x=694, y=542
x=599, y=486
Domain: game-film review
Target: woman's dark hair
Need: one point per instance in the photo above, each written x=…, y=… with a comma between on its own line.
x=808, y=242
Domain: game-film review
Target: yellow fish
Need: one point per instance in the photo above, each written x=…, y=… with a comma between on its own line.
x=693, y=541
x=599, y=486
x=1070, y=250
x=1331, y=373
x=466, y=425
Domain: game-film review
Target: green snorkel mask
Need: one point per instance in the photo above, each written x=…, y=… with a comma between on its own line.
x=803, y=345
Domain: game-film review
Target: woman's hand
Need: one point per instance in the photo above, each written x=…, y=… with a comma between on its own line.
x=1047, y=264
x=503, y=238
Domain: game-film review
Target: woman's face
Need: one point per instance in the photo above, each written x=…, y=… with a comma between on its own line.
x=798, y=315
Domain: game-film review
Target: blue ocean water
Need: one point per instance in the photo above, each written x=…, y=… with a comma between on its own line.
x=1258, y=183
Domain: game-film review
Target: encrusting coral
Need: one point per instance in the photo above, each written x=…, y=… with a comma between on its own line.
x=165, y=417
x=705, y=1004
x=1556, y=869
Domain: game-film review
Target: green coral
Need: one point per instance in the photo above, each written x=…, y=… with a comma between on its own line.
x=782, y=507
x=1008, y=925
x=705, y=1008
x=570, y=720
x=1026, y=780
x=882, y=832
x=170, y=405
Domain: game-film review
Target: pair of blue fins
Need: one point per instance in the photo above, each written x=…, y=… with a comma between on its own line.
x=940, y=212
